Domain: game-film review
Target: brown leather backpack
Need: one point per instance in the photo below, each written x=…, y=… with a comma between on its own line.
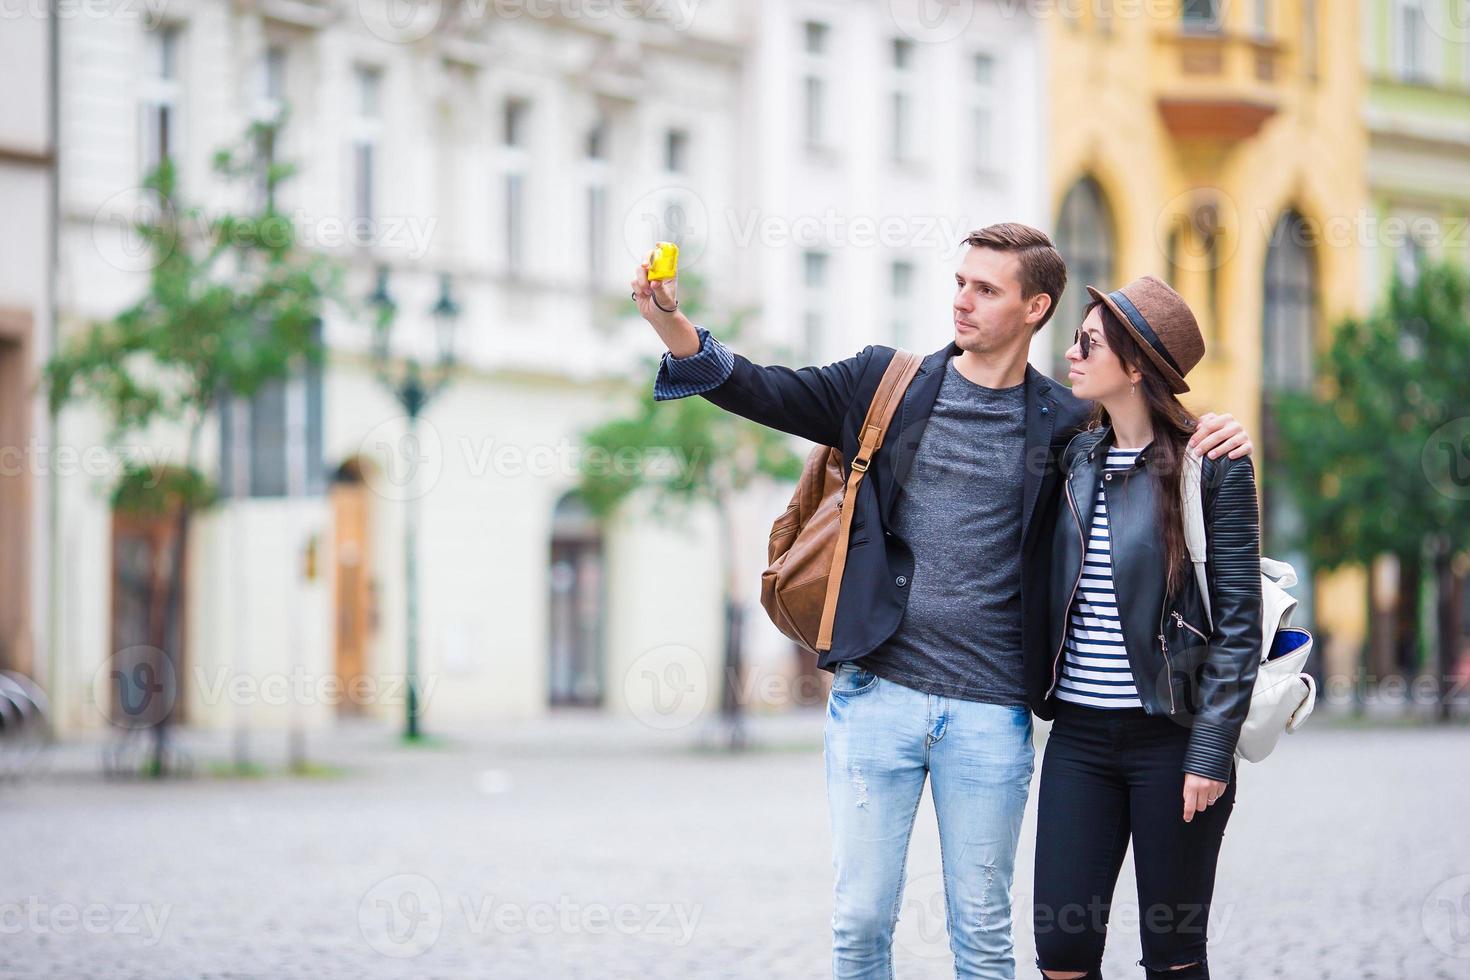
x=808, y=546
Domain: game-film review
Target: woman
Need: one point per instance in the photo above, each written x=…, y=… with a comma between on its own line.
x=1148, y=696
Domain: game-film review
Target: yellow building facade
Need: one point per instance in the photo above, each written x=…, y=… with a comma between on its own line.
x=1220, y=146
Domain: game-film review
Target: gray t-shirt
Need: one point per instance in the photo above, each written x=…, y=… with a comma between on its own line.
x=959, y=511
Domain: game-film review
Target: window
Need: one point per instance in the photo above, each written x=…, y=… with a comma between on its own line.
x=900, y=291
x=813, y=102
x=815, y=37
x=366, y=127
x=597, y=180
x=1409, y=260
x=1411, y=39
x=814, y=269
x=1311, y=51
x=814, y=279
x=902, y=101
x=514, y=229
x=270, y=100
x=1085, y=239
x=903, y=53
x=1201, y=15
x=676, y=151
x=269, y=112
x=982, y=111
x=515, y=137
x=513, y=132
x=1289, y=307
x=161, y=94
x=1289, y=319
x=1261, y=18
x=271, y=443
x=814, y=84
x=899, y=135
x=595, y=147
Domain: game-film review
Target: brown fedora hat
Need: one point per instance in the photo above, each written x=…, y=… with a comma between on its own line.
x=1161, y=322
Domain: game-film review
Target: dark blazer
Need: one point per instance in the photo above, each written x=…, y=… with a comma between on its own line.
x=827, y=405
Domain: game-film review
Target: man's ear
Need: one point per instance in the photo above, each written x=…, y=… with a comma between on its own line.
x=1036, y=309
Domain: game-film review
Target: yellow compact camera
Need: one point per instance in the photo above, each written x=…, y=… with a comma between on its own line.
x=663, y=261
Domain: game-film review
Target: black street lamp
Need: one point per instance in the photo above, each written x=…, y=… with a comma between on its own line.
x=413, y=386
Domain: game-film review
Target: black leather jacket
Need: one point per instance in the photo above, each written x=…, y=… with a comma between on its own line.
x=1198, y=676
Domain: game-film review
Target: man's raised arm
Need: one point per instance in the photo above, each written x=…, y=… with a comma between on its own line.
x=809, y=402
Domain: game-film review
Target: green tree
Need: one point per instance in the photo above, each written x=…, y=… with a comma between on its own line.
x=724, y=455
x=232, y=302
x=1378, y=456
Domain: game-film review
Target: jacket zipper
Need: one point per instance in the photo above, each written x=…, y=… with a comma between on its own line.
x=1185, y=623
x=1168, y=667
x=1067, y=613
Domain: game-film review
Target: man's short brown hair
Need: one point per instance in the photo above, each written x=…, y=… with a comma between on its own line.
x=1042, y=268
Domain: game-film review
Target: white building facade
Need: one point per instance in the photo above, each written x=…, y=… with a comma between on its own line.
x=818, y=162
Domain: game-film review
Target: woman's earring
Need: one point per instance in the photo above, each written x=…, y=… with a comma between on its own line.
x=1133, y=388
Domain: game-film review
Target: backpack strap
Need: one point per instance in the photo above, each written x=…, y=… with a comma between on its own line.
x=1195, y=539
x=881, y=409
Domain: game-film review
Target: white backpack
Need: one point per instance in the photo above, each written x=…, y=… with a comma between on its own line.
x=1283, y=696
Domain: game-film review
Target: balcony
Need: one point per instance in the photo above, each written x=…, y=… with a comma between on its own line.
x=1215, y=85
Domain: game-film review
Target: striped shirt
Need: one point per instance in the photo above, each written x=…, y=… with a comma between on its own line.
x=1095, y=669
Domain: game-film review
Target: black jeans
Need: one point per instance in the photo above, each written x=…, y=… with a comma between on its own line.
x=1108, y=774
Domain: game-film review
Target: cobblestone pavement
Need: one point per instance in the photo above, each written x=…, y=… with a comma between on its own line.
x=575, y=850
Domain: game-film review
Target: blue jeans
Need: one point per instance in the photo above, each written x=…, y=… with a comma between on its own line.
x=881, y=740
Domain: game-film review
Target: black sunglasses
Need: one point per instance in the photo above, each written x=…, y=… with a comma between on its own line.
x=1084, y=339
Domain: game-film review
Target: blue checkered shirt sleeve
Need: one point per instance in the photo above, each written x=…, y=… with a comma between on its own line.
x=679, y=377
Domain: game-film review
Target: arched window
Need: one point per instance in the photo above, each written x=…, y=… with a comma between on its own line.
x=1085, y=239
x=1288, y=321
x=575, y=580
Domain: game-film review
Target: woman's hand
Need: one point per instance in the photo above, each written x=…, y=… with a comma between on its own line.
x=1199, y=793
x=1219, y=435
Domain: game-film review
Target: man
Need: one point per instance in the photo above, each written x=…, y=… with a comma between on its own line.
x=940, y=638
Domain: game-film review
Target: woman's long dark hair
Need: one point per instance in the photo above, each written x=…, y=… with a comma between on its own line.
x=1172, y=423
